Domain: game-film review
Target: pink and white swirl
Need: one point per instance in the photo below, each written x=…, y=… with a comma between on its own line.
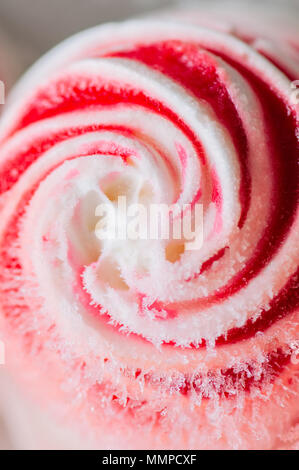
x=168, y=348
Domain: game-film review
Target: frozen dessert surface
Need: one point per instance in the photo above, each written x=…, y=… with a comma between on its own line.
x=170, y=347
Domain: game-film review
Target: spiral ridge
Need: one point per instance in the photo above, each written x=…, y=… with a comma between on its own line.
x=145, y=331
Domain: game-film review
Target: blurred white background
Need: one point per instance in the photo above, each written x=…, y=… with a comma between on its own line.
x=37, y=25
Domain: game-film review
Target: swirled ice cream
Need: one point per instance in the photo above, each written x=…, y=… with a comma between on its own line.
x=166, y=347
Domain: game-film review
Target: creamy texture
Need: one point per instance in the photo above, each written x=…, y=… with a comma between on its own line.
x=142, y=335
